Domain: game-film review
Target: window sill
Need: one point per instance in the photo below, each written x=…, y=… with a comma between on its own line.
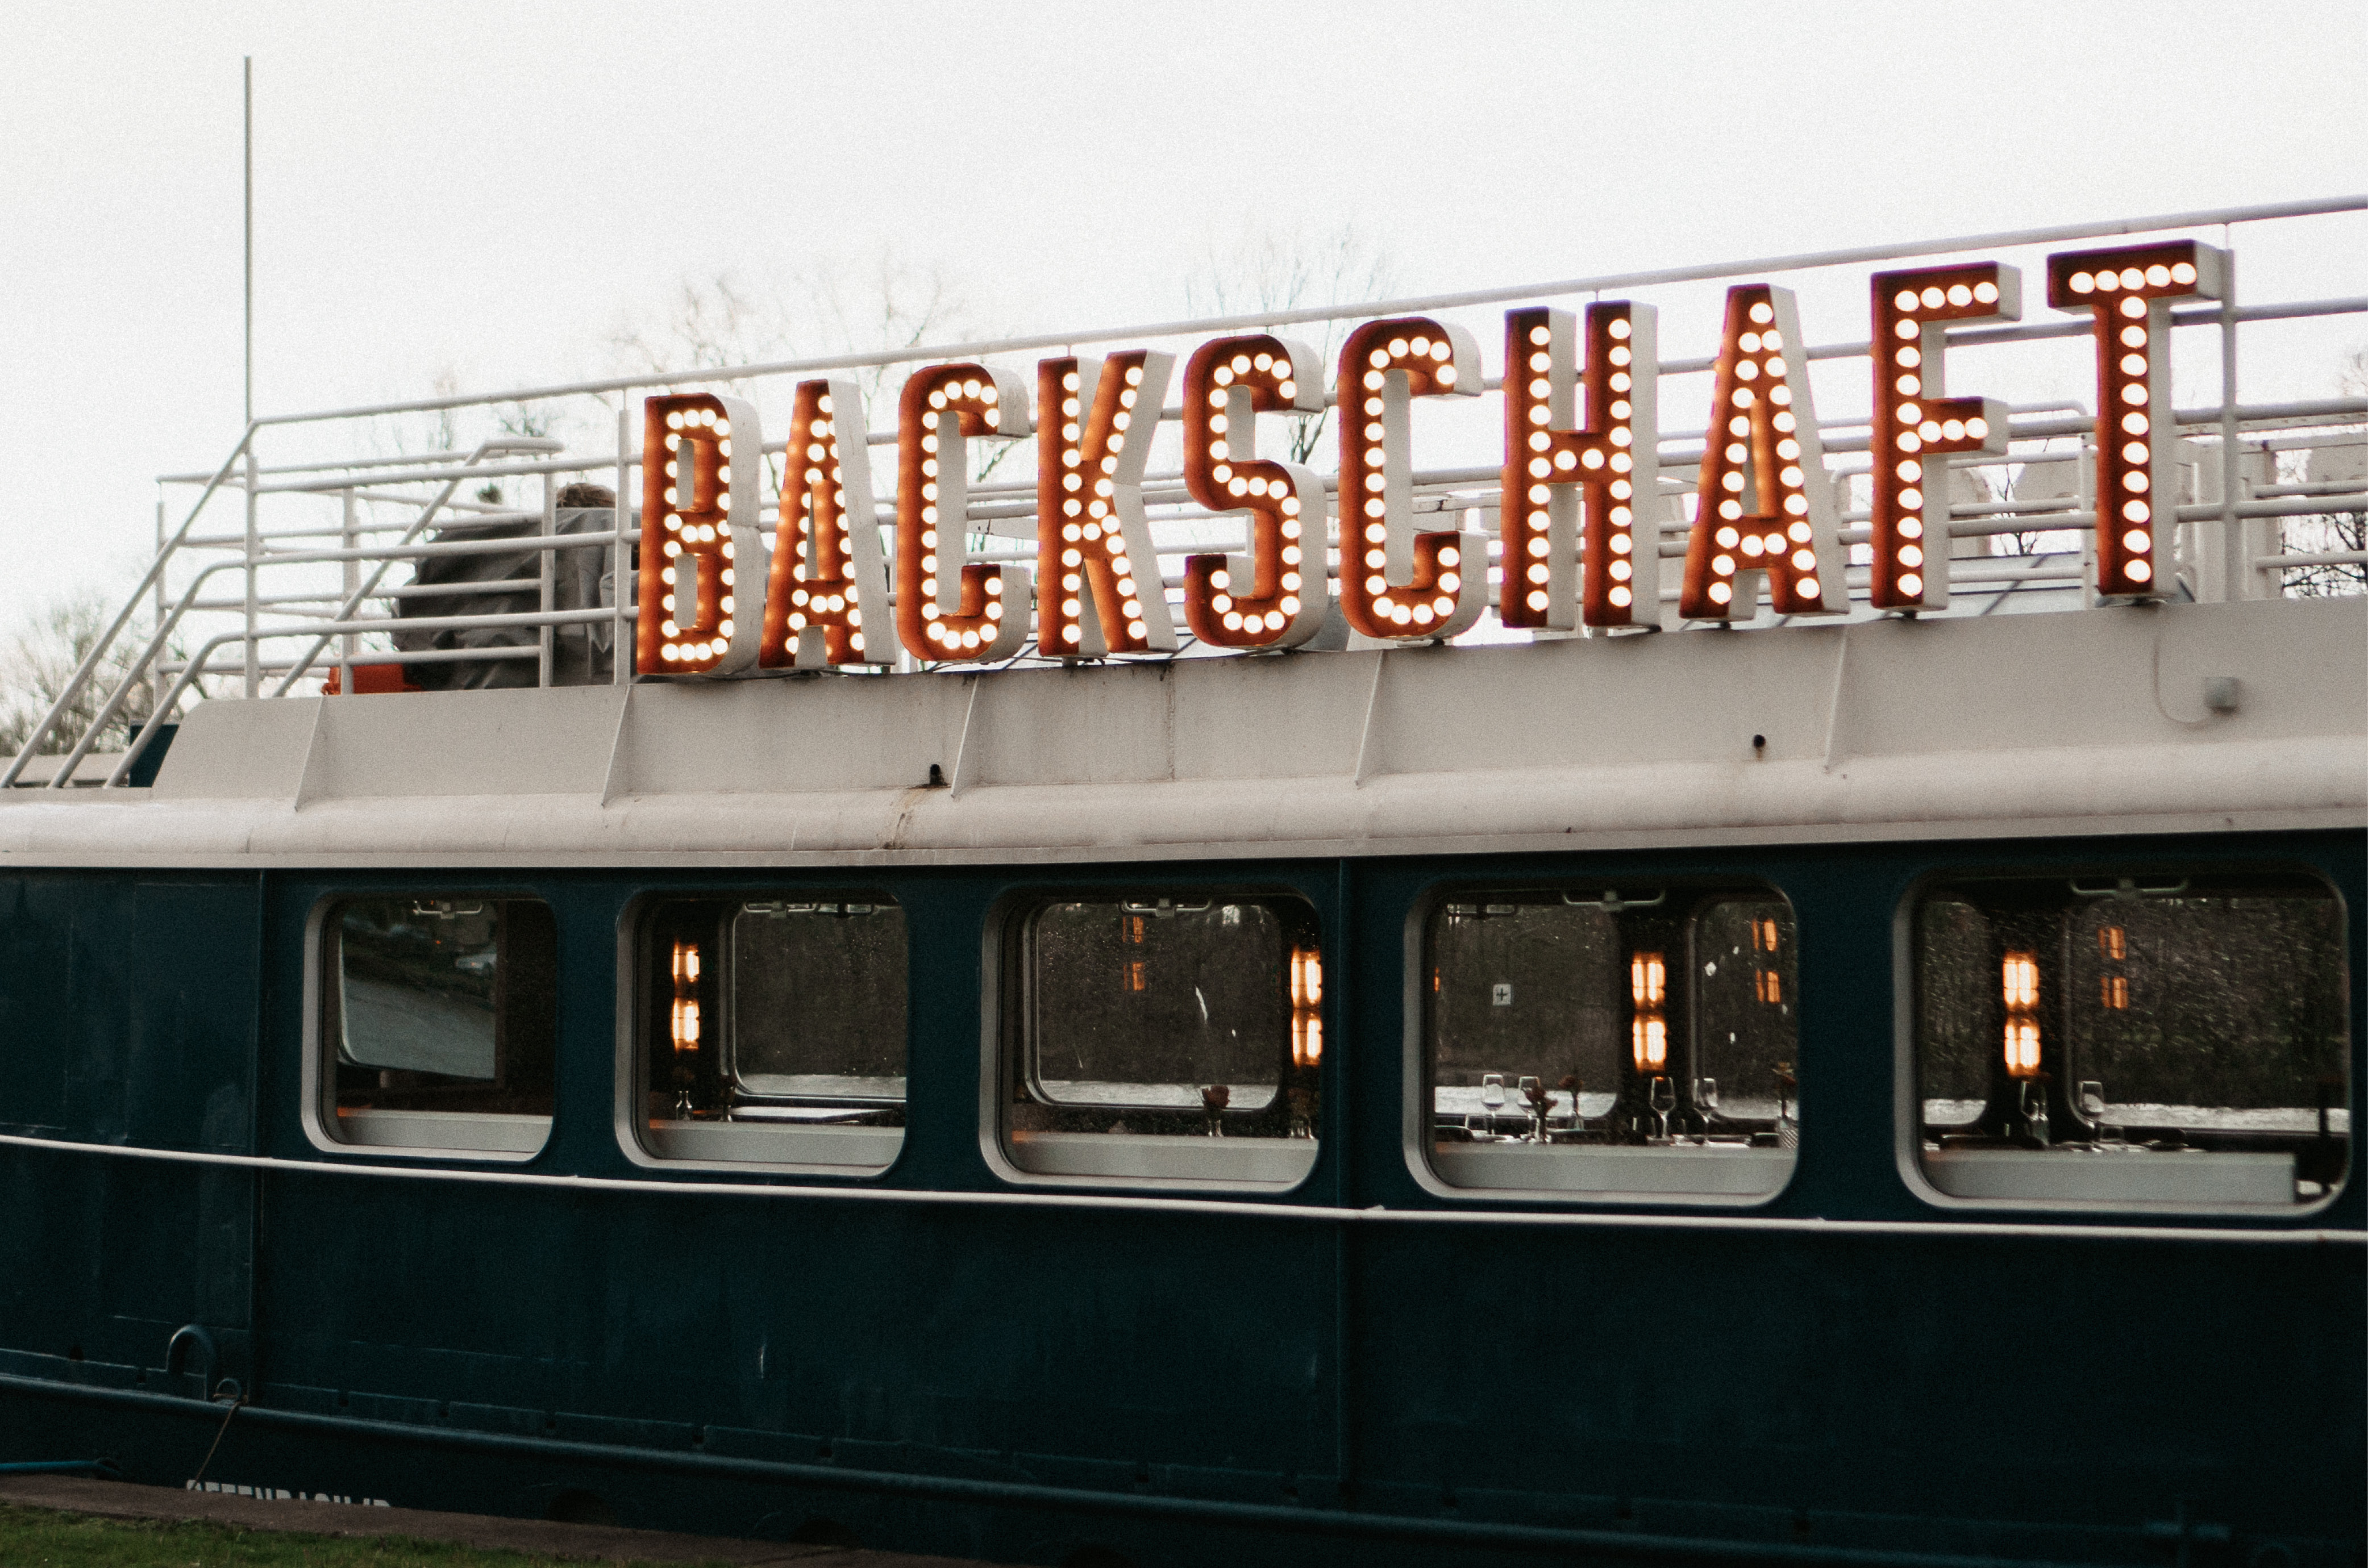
x=1715, y=1170
x=1262, y=1162
x=2077, y=1174
x=859, y=1148
x=435, y=1132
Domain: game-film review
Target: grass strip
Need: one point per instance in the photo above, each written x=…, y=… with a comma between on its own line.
x=45, y=1538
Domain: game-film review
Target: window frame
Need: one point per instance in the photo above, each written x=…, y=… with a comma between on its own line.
x=784, y=1149
x=1265, y=1166
x=1417, y=1121
x=318, y=1079
x=1907, y=1105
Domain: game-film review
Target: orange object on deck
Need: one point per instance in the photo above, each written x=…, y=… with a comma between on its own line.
x=370, y=678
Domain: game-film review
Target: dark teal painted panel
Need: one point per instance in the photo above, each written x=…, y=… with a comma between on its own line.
x=1656, y=1379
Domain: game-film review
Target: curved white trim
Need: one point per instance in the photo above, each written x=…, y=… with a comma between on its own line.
x=97, y=857
x=1246, y=1210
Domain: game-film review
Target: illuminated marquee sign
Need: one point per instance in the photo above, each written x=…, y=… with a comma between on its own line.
x=1275, y=597
x=2129, y=290
x=1098, y=577
x=1915, y=423
x=1550, y=465
x=827, y=565
x=1578, y=521
x=1765, y=505
x=704, y=502
x=964, y=610
x=1395, y=582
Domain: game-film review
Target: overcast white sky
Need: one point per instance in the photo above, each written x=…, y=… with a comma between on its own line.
x=483, y=187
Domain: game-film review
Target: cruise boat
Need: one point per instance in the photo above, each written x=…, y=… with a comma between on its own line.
x=1610, y=968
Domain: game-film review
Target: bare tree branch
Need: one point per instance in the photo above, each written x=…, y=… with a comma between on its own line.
x=2326, y=534
x=2330, y=532
x=823, y=307
x=1282, y=269
x=41, y=655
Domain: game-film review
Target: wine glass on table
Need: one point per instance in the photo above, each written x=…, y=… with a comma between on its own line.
x=1533, y=1099
x=1706, y=1102
x=1664, y=1101
x=2034, y=1111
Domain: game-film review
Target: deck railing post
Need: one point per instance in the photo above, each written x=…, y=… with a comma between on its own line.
x=621, y=655
x=2085, y=498
x=2234, y=574
x=547, y=577
x=155, y=679
x=352, y=579
x=254, y=560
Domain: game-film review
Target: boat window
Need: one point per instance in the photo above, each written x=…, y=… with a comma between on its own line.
x=2140, y=1039
x=1164, y=1036
x=773, y=1028
x=1613, y=1041
x=438, y=1022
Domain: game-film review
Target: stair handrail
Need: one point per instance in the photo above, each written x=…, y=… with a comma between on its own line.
x=502, y=444
x=81, y=676
x=63, y=777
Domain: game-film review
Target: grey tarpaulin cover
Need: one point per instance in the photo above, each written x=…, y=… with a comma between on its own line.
x=582, y=579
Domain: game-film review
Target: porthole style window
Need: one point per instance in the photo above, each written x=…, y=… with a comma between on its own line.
x=2153, y=1039
x=771, y=1028
x=1165, y=1037
x=1611, y=1042
x=437, y=1022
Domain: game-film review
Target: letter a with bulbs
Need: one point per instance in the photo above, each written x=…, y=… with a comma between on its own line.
x=703, y=501
x=960, y=611
x=828, y=574
x=2129, y=289
x=1396, y=584
x=1764, y=504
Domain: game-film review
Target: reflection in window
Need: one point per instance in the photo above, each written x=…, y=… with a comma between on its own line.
x=1152, y=1026
x=2150, y=1038
x=439, y=1019
x=1571, y=1029
x=774, y=1013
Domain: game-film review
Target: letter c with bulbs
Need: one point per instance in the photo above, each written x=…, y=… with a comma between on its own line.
x=1577, y=537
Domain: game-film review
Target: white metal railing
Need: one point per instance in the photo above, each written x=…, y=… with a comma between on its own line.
x=2226, y=542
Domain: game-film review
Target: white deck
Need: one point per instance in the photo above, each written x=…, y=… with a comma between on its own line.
x=2086, y=722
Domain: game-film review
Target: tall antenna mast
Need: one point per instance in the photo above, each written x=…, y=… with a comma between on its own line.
x=249, y=149
x=254, y=536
